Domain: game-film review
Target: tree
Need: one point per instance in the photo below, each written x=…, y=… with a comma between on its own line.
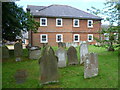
x=112, y=15
x=15, y=19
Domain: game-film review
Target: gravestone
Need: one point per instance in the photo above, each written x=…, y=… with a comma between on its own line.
x=20, y=76
x=5, y=52
x=72, y=56
x=34, y=53
x=91, y=65
x=83, y=52
x=48, y=65
x=18, y=49
x=61, y=54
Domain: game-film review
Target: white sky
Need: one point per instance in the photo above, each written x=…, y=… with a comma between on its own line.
x=80, y=4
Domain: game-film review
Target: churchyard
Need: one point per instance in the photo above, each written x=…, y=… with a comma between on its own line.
x=100, y=69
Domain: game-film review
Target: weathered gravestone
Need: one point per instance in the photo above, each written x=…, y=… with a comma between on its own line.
x=72, y=56
x=83, y=52
x=5, y=52
x=34, y=52
x=61, y=54
x=48, y=65
x=18, y=50
x=91, y=65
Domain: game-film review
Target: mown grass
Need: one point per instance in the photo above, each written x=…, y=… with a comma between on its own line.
x=69, y=77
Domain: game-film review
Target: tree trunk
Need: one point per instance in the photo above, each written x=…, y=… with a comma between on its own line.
x=111, y=48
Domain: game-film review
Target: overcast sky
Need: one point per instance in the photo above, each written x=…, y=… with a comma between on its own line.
x=80, y=4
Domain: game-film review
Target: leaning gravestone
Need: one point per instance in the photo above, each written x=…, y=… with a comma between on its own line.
x=83, y=52
x=18, y=51
x=91, y=65
x=61, y=54
x=48, y=65
x=34, y=52
x=72, y=56
x=5, y=52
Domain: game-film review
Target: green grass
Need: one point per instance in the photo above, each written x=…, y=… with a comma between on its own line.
x=69, y=77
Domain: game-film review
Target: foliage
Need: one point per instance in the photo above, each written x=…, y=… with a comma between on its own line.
x=15, y=20
x=69, y=77
x=111, y=12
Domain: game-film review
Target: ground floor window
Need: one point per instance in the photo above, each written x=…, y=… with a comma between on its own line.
x=76, y=38
x=44, y=38
x=59, y=38
x=106, y=36
x=90, y=37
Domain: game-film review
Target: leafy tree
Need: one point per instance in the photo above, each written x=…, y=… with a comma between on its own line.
x=112, y=16
x=15, y=20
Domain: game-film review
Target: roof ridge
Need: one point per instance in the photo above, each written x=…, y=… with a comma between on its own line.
x=45, y=7
x=37, y=5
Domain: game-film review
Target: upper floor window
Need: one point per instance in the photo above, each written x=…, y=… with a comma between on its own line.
x=75, y=22
x=43, y=21
x=76, y=37
x=44, y=38
x=90, y=37
x=59, y=38
x=58, y=21
x=90, y=23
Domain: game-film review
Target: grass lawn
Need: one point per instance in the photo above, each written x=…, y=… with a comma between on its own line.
x=69, y=77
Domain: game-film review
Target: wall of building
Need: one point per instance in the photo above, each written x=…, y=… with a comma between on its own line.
x=67, y=30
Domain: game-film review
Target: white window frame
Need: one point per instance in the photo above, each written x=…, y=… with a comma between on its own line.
x=41, y=21
x=57, y=22
x=78, y=37
x=57, y=37
x=91, y=39
x=91, y=24
x=41, y=38
x=74, y=23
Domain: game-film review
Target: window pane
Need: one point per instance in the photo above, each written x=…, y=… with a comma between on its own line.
x=76, y=22
x=76, y=38
x=59, y=22
x=43, y=38
x=90, y=23
x=90, y=37
x=43, y=21
x=59, y=37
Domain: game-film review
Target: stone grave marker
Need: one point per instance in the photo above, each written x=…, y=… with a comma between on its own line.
x=83, y=52
x=34, y=52
x=61, y=54
x=5, y=52
x=20, y=76
x=18, y=50
x=72, y=56
x=48, y=65
x=91, y=65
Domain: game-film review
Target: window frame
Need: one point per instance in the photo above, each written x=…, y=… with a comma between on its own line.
x=46, y=38
x=78, y=37
x=57, y=37
x=57, y=22
x=88, y=37
x=91, y=24
x=41, y=21
x=74, y=23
